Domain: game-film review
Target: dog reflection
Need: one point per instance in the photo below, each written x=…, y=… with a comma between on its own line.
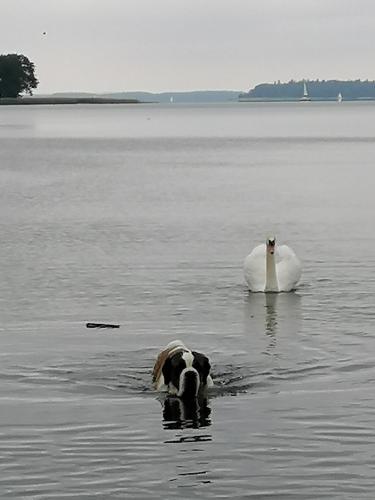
x=179, y=413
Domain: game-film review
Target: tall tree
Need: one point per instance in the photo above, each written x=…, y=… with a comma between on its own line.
x=17, y=75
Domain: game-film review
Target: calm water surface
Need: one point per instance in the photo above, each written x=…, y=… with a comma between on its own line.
x=143, y=215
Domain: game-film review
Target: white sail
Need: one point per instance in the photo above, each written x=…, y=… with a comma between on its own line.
x=339, y=97
x=305, y=96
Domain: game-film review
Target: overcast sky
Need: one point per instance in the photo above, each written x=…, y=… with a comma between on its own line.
x=157, y=45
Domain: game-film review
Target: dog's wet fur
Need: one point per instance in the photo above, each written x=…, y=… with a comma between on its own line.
x=181, y=372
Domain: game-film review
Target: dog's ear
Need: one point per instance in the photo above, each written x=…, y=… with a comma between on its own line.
x=167, y=371
x=202, y=365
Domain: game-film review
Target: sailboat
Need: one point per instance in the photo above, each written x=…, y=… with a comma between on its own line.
x=339, y=97
x=305, y=96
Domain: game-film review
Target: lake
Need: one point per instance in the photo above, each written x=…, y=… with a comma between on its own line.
x=142, y=215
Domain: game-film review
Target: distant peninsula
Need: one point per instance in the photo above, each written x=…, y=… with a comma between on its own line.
x=50, y=100
x=128, y=97
x=318, y=90
x=182, y=97
x=178, y=97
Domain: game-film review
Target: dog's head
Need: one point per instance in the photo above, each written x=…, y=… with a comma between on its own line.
x=187, y=371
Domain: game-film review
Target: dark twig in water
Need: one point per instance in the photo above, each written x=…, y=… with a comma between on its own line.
x=101, y=325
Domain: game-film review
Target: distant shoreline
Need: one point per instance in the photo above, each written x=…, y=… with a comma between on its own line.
x=33, y=101
x=292, y=99
x=30, y=101
x=188, y=97
x=313, y=90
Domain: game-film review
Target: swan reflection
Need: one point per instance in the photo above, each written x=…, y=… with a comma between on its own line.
x=271, y=314
x=180, y=414
x=274, y=314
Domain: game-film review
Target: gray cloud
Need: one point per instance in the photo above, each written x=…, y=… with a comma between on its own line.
x=97, y=45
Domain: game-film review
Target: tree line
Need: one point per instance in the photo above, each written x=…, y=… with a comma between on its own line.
x=319, y=89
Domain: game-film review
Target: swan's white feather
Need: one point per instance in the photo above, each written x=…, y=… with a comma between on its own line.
x=255, y=269
x=288, y=268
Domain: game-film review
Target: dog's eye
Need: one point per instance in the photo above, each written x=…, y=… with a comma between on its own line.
x=197, y=366
x=181, y=365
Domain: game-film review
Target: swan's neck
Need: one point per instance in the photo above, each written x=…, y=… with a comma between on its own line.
x=271, y=278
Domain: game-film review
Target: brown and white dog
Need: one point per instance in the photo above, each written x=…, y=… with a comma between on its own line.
x=181, y=372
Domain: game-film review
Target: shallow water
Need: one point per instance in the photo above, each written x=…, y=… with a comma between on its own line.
x=142, y=215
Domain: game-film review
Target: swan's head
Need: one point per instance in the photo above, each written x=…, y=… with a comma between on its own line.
x=271, y=242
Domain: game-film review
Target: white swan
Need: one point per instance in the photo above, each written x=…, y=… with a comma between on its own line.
x=271, y=268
